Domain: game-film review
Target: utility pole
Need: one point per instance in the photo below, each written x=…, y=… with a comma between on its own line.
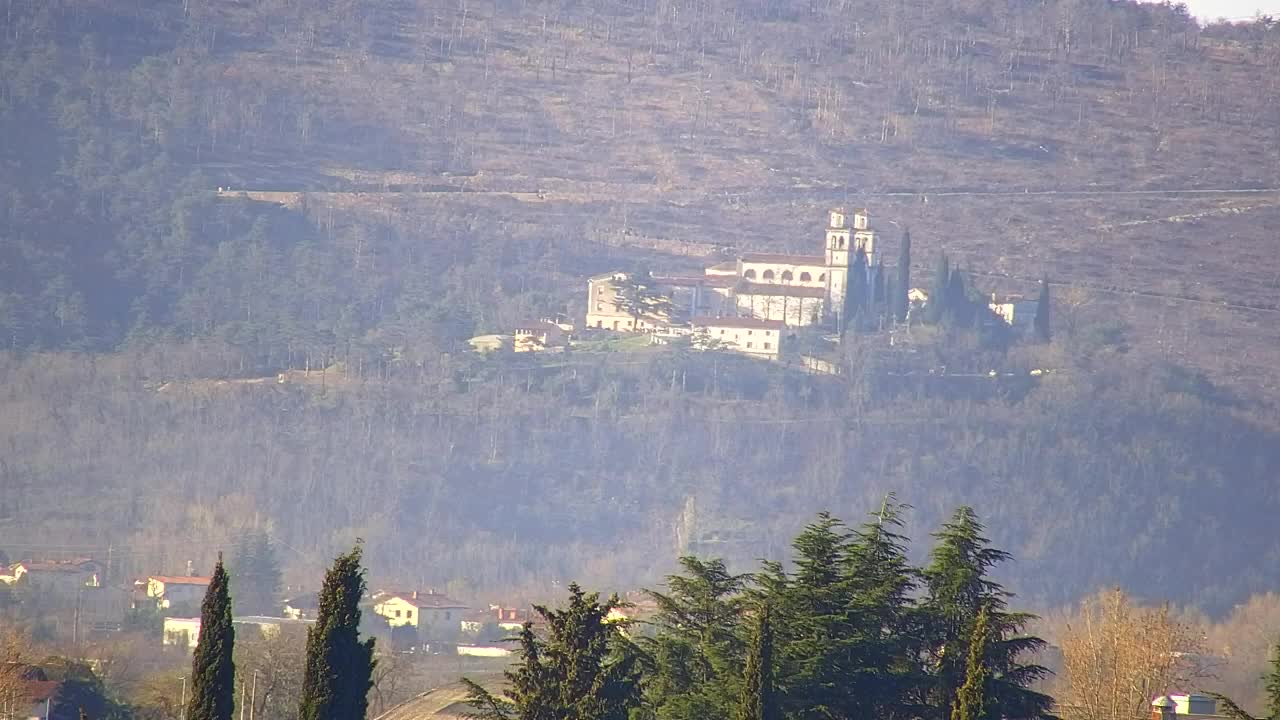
x=253, y=693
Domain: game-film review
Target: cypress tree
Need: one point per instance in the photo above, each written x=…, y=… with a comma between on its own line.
x=970, y=703
x=855, y=295
x=937, y=305
x=339, y=668
x=903, y=284
x=212, y=669
x=758, y=702
x=1271, y=682
x=1042, y=312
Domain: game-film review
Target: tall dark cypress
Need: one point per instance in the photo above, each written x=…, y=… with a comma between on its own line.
x=212, y=670
x=1042, y=312
x=339, y=669
x=855, y=297
x=758, y=701
x=902, y=286
x=936, y=308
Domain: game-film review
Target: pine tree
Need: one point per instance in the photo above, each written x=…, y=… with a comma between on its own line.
x=959, y=587
x=581, y=670
x=696, y=650
x=1042, y=312
x=212, y=669
x=758, y=701
x=883, y=582
x=339, y=668
x=936, y=308
x=902, y=285
x=970, y=703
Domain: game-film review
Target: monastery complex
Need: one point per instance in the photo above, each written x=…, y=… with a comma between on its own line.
x=778, y=290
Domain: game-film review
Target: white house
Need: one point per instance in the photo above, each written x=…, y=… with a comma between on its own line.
x=174, y=590
x=760, y=338
x=433, y=614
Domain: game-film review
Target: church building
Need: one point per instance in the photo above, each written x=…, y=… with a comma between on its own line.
x=796, y=290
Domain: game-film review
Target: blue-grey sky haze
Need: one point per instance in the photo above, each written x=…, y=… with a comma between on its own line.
x=1232, y=9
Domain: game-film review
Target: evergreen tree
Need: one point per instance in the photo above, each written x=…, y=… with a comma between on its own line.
x=1042, y=312
x=212, y=669
x=878, y=294
x=816, y=643
x=888, y=678
x=902, y=285
x=758, y=702
x=959, y=587
x=1271, y=682
x=936, y=308
x=970, y=703
x=695, y=650
x=255, y=573
x=581, y=670
x=855, y=296
x=339, y=667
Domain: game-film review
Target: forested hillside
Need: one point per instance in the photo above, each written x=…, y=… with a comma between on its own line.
x=456, y=166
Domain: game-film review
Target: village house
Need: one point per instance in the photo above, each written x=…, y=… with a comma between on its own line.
x=760, y=338
x=1184, y=706
x=170, y=591
x=32, y=694
x=507, y=619
x=302, y=607
x=1017, y=312
x=796, y=290
x=56, y=577
x=185, y=632
x=433, y=614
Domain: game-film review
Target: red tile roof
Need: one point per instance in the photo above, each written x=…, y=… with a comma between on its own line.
x=781, y=290
x=691, y=280
x=739, y=322
x=180, y=579
x=40, y=690
x=784, y=259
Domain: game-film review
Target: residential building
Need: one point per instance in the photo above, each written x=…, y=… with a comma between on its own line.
x=185, y=632
x=538, y=335
x=508, y=619
x=433, y=614
x=59, y=577
x=1017, y=312
x=302, y=607
x=170, y=591
x=759, y=338
x=1184, y=706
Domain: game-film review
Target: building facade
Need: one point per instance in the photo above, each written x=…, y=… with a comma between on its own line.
x=796, y=290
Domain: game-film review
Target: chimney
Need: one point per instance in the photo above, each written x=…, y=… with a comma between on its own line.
x=415, y=594
x=191, y=569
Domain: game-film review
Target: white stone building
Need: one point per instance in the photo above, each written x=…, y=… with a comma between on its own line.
x=796, y=290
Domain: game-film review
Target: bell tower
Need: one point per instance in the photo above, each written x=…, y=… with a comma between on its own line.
x=837, y=257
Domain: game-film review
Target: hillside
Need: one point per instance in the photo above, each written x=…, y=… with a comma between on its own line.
x=213, y=190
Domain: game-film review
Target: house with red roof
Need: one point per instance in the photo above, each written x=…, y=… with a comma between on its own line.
x=174, y=590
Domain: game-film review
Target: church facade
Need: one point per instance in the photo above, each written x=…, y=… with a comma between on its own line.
x=796, y=290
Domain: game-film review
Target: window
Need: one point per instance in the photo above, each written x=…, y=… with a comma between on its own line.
x=408, y=614
x=750, y=274
x=805, y=277
x=768, y=346
x=748, y=346
x=768, y=275
x=600, y=324
x=767, y=333
x=748, y=332
x=786, y=276
x=397, y=613
x=599, y=307
x=721, y=331
x=822, y=277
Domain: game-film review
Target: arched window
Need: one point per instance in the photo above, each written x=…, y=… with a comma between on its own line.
x=786, y=276
x=750, y=274
x=822, y=277
x=805, y=277
x=768, y=275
